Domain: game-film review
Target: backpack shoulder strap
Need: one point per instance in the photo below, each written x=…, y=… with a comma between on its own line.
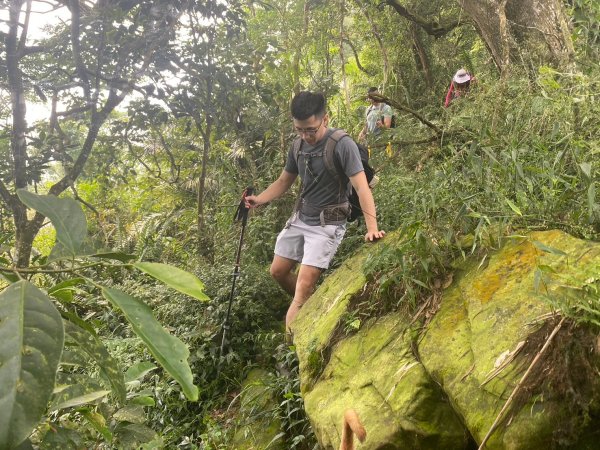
x=329, y=154
x=296, y=146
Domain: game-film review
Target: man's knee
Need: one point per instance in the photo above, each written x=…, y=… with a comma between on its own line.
x=279, y=272
x=307, y=280
x=306, y=284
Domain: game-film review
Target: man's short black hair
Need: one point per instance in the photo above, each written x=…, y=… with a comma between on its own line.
x=306, y=104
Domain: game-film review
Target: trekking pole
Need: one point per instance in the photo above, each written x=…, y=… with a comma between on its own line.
x=241, y=214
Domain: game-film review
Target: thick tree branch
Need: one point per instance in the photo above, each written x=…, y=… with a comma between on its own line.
x=23, y=39
x=432, y=28
x=394, y=104
x=6, y=195
x=97, y=121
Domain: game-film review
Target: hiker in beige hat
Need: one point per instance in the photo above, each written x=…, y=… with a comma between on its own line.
x=460, y=85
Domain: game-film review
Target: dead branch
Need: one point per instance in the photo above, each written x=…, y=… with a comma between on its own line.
x=432, y=28
x=79, y=199
x=521, y=383
x=394, y=104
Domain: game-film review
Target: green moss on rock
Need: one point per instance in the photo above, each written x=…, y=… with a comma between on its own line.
x=483, y=317
x=376, y=373
x=373, y=372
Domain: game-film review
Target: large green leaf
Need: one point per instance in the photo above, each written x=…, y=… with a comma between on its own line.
x=75, y=389
x=73, y=356
x=60, y=251
x=67, y=284
x=66, y=290
x=65, y=214
x=109, y=367
x=31, y=343
x=170, y=352
x=25, y=445
x=97, y=421
x=176, y=278
x=130, y=413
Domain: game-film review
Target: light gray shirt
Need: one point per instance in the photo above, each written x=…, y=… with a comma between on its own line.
x=376, y=113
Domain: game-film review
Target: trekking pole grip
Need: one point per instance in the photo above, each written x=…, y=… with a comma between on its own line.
x=241, y=213
x=244, y=212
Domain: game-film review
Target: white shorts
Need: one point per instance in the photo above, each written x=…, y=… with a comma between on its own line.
x=311, y=245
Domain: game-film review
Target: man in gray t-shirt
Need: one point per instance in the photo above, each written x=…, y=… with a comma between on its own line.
x=308, y=239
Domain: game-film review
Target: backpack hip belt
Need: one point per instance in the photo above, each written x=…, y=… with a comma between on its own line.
x=336, y=214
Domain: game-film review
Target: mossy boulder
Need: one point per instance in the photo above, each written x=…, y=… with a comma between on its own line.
x=256, y=428
x=374, y=372
x=322, y=314
x=442, y=386
x=484, y=320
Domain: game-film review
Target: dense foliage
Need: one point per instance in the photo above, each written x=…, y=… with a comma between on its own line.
x=160, y=113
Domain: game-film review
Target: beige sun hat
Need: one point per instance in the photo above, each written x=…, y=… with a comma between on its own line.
x=461, y=76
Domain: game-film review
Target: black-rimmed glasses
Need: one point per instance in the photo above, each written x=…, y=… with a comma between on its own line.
x=308, y=131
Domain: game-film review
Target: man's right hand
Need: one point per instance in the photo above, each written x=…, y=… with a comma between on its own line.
x=252, y=201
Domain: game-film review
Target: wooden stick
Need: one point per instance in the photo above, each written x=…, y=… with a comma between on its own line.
x=518, y=386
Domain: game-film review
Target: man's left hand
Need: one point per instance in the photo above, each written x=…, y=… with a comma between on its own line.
x=374, y=235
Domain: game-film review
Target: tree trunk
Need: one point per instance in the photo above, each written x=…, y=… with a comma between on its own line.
x=421, y=54
x=343, y=57
x=15, y=82
x=545, y=19
x=18, y=144
x=511, y=28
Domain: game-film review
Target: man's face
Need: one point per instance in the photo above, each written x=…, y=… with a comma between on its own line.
x=313, y=129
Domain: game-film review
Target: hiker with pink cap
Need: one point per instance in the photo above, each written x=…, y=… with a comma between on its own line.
x=460, y=85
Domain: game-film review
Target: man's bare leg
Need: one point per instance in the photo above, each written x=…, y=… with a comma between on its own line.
x=305, y=285
x=282, y=270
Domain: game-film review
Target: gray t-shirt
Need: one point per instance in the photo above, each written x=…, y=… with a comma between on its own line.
x=325, y=191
